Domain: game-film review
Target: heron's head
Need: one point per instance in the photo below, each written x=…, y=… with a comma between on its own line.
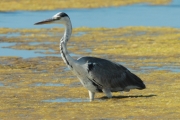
x=59, y=18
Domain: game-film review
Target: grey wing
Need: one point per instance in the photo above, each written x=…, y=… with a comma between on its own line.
x=107, y=74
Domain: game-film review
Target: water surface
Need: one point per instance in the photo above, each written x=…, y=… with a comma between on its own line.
x=1, y=84
x=48, y=84
x=21, y=53
x=111, y=17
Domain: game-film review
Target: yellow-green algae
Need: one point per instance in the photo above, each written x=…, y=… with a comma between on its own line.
x=134, y=46
x=12, y=5
x=147, y=42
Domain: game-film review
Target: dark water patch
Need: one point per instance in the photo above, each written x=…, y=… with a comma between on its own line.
x=50, y=51
x=88, y=50
x=79, y=34
x=48, y=84
x=8, y=35
x=62, y=100
x=152, y=67
x=53, y=53
x=6, y=51
x=5, y=45
x=13, y=52
x=175, y=69
x=39, y=43
x=1, y=84
x=66, y=69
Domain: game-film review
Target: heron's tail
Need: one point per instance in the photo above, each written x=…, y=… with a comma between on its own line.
x=138, y=82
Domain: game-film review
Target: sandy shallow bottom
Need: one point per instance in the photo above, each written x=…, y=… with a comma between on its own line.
x=43, y=87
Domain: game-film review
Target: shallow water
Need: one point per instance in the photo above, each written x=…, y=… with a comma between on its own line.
x=21, y=53
x=37, y=43
x=48, y=84
x=175, y=69
x=10, y=35
x=112, y=17
x=1, y=84
x=133, y=15
x=5, y=51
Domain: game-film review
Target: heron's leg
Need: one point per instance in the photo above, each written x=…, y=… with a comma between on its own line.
x=107, y=92
x=91, y=95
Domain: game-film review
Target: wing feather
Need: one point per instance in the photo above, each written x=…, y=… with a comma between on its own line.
x=107, y=74
x=112, y=75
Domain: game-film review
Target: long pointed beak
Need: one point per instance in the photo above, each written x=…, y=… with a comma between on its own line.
x=48, y=21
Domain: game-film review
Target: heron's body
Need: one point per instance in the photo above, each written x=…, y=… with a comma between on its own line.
x=104, y=74
x=95, y=74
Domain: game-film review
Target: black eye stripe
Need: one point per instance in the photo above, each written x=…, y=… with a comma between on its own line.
x=63, y=14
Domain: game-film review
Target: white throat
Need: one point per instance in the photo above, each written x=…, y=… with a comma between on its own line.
x=68, y=31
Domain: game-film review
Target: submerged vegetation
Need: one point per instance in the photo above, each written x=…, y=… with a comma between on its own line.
x=152, y=53
x=12, y=5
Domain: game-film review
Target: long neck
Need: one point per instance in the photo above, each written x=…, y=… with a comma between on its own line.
x=63, y=42
x=68, y=31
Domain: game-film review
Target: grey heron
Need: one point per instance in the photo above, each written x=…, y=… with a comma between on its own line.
x=95, y=74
